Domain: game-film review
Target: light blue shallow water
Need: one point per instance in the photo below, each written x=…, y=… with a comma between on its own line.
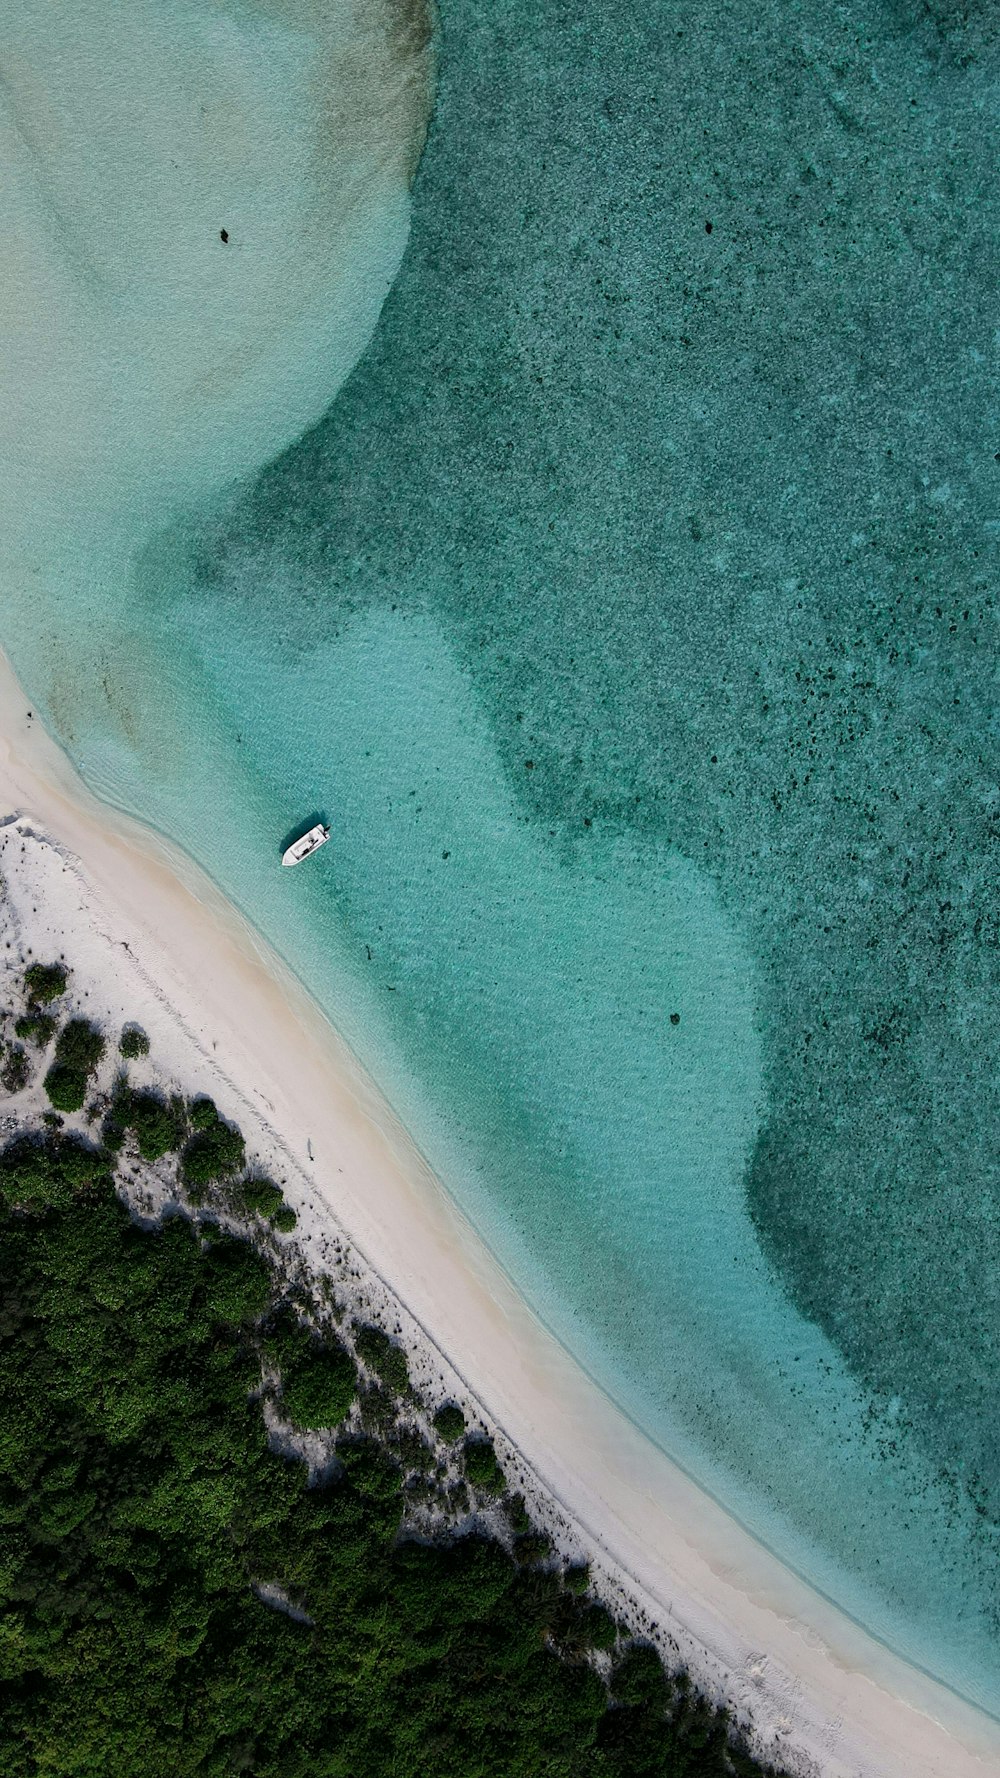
x=627, y=617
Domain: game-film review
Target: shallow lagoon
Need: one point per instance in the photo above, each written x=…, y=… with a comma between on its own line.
x=628, y=616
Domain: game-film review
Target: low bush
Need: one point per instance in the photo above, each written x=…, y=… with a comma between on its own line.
x=66, y=1086
x=133, y=1043
x=517, y=1513
x=44, y=982
x=80, y=1045
x=532, y=1546
x=14, y=1071
x=160, y=1125
x=384, y=1357
x=576, y=1578
x=378, y=1408
x=79, y=1048
x=482, y=1467
x=259, y=1197
x=599, y=1626
x=202, y=1113
x=215, y=1151
x=449, y=1422
x=37, y=1176
x=36, y=1027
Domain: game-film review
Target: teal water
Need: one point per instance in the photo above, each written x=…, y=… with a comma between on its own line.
x=629, y=613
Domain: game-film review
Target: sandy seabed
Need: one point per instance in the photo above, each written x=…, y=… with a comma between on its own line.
x=150, y=938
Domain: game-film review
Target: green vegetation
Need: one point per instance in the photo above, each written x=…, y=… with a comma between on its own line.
x=449, y=1422
x=14, y=1070
x=36, y=1027
x=142, y=1507
x=80, y=1045
x=44, y=982
x=202, y=1114
x=216, y=1150
x=261, y=1197
x=133, y=1043
x=321, y=1390
x=381, y=1355
x=160, y=1124
x=319, y=1380
x=66, y=1087
x=519, y=1517
x=481, y=1466
x=79, y=1049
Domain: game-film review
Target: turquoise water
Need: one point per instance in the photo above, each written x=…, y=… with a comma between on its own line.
x=629, y=614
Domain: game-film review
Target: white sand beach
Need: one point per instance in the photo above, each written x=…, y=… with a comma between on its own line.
x=150, y=938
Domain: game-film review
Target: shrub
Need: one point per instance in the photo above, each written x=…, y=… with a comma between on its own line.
x=133, y=1043
x=202, y=1114
x=577, y=1577
x=517, y=1512
x=159, y=1127
x=44, y=982
x=532, y=1546
x=378, y=1409
x=481, y=1466
x=37, y=1027
x=215, y=1151
x=14, y=1072
x=260, y=1196
x=79, y=1048
x=381, y=1355
x=66, y=1086
x=600, y=1629
x=411, y=1450
x=319, y=1389
x=80, y=1045
x=449, y=1422
x=38, y=1176
x=639, y=1679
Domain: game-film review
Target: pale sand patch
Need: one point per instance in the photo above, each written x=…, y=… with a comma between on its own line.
x=150, y=938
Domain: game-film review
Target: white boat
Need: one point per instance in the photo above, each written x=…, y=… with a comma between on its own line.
x=299, y=849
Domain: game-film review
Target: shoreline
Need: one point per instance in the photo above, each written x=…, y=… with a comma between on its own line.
x=820, y=1693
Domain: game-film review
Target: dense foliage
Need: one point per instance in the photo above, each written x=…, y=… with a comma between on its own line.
x=175, y=1597
x=44, y=982
x=159, y=1124
x=319, y=1381
x=449, y=1422
x=388, y=1361
x=79, y=1049
x=37, y=1027
x=133, y=1043
x=14, y=1069
x=215, y=1151
x=481, y=1466
x=261, y=1197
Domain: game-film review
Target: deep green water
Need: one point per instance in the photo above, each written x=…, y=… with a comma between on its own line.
x=630, y=615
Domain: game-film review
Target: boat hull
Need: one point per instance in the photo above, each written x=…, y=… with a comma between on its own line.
x=305, y=846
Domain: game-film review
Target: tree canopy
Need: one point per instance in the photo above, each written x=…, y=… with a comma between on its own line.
x=175, y=1596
